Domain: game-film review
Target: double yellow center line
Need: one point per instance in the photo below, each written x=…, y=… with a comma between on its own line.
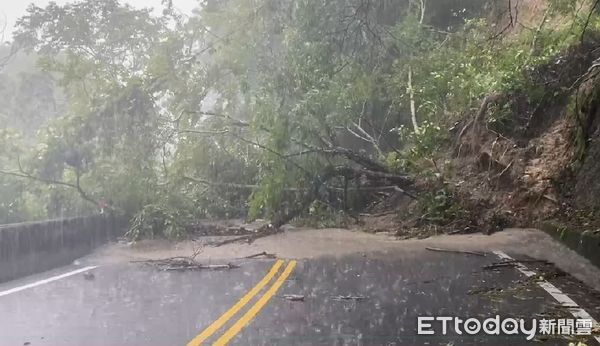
x=252, y=312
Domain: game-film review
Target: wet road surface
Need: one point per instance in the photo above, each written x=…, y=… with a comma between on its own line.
x=136, y=304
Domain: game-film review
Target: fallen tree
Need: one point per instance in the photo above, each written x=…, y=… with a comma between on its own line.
x=369, y=174
x=401, y=183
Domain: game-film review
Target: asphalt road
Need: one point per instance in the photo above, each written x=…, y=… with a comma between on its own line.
x=136, y=304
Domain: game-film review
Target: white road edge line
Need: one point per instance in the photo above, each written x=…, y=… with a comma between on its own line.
x=45, y=281
x=554, y=291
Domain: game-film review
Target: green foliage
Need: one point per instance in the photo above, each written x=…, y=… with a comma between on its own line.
x=420, y=148
x=426, y=142
x=468, y=64
x=441, y=206
x=158, y=221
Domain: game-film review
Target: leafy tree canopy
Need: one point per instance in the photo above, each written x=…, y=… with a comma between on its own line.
x=251, y=107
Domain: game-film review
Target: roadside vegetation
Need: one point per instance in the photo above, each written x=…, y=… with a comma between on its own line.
x=301, y=111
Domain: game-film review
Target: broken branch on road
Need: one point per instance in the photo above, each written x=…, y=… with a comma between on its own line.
x=262, y=254
x=293, y=297
x=349, y=297
x=264, y=231
x=475, y=253
x=184, y=263
x=511, y=263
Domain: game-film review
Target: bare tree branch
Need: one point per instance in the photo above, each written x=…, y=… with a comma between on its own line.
x=233, y=121
x=207, y=132
x=6, y=59
x=77, y=186
x=589, y=17
x=219, y=184
x=513, y=20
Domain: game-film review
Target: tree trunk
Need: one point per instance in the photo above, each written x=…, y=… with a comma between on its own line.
x=413, y=110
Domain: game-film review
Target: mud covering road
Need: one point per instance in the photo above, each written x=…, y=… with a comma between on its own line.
x=357, y=289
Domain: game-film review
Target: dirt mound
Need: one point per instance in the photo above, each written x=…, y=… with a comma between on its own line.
x=548, y=160
x=514, y=184
x=553, y=153
x=587, y=138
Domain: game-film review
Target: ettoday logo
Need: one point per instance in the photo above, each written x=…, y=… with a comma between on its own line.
x=502, y=326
